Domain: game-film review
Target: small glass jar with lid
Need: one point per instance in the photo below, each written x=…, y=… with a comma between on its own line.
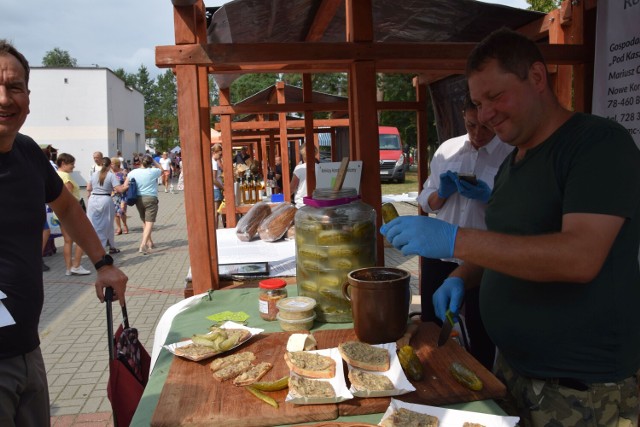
x=335, y=234
x=271, y=291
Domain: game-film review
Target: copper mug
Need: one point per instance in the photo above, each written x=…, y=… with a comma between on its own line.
x=380, y=298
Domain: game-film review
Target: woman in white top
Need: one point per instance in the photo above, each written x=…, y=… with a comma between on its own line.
x=100, y=209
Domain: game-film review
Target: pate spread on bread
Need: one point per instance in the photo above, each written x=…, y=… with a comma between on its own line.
x=305, y=387
x=232, y=371
x=365, y=356
x=252, y=375
x=367, y=381
x=223, y=362
x=310, y=365
x=405, y=418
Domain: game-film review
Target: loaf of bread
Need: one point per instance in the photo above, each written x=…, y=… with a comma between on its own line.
x=252, y=375
x=247, y=227
x=310, y=365
x=405, y=418
x=365, y=356
x=274, y=226
x=367, y=381
x=304, y=387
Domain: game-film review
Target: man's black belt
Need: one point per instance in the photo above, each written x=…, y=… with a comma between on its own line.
x=100, y=194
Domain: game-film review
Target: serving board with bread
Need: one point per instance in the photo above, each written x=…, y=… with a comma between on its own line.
x=191, y=396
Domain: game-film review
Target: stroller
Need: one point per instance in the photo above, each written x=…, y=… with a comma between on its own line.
x=129, y=364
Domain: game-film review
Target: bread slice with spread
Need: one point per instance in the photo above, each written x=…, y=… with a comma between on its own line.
x=300, y=387
x=367, y=381
x=405, y=418
x=365, y=356
x=310, y=365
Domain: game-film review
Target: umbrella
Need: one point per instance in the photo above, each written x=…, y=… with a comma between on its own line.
x=129, y=364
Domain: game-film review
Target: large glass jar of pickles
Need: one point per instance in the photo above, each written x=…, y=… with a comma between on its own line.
x=335, y=234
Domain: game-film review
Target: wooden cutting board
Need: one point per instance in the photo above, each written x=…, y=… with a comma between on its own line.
x=191, y=396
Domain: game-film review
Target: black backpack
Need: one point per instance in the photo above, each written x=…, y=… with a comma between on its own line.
x=132, y=192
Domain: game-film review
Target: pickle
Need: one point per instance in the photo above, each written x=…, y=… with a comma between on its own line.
x=260, y=395
x=312, y=252
x=203, y=342
x=465, y=376
x=343, y=251
x=331, y=281
x=343, y=263
x=362, y=230
x=410, y=363
x=389, y=212
x=280, y=384
x=311, y=265
x=330, y=237
x=309, y=286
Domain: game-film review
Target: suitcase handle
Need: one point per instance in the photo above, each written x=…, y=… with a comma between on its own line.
x=108, y=298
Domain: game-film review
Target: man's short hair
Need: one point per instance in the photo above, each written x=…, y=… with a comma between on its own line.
x=514, y=52
x=7, y=48
x=467, y=104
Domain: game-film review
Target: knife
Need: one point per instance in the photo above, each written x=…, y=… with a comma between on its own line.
x=447, y=326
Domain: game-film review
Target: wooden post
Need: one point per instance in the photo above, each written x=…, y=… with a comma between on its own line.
x=309, y=136
x=284, y=151
x=195, y=138
x=363, y=114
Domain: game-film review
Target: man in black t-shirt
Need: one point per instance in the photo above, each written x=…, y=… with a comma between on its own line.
x=29, y=181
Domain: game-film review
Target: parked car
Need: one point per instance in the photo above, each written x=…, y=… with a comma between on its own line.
x=392, y=158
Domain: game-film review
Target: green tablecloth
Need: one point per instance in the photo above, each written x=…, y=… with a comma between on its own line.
x=195, y=319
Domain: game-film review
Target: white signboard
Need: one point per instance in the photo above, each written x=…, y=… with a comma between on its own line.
x=326, y=174
x=616, y=87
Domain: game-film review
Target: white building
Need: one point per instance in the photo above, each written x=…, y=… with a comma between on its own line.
x=83, y=110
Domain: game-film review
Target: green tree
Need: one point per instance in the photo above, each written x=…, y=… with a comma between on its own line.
x=128, y=78
x=161, y=116
x=58, y=58
x=249, y=84
x=545, y=6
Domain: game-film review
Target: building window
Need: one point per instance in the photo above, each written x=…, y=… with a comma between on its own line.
x=137, y=149
x=120, y=140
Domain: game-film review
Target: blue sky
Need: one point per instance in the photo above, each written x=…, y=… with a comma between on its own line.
x=112, y=33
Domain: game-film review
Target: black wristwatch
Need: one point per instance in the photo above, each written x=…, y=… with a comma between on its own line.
x=105, y=260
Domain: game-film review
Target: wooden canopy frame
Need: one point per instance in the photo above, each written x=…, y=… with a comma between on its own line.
x=569, y=30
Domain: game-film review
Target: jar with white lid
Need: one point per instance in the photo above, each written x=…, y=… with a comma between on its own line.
x=335, y=234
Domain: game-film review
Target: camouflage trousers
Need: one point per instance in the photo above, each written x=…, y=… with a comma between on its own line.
x=545, y=403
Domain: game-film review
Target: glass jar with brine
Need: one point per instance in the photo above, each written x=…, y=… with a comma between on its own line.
x=335, y=234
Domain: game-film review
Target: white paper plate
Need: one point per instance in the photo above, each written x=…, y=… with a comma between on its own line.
x=227, y=325
x=337, y=382
x=401, y=384
x=452, y=417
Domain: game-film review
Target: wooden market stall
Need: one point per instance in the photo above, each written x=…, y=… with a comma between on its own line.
x=430, y=39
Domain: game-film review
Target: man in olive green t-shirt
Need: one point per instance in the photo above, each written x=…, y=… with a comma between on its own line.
x=559, y=260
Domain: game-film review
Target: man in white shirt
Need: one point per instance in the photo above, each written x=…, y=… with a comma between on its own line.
x=446, y=195
x=97, y=163
x=165, y=162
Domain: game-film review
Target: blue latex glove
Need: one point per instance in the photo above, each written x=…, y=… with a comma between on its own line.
x=448, y=296
x=480, y=192
x=421, y=235
x=448, y=184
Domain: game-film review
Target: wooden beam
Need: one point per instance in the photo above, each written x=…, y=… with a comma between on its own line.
x=293, y=107
x=323, y=17
x=270, y=124
x=261, y=57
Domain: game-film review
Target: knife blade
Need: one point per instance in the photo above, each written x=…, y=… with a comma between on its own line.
x=447, y=327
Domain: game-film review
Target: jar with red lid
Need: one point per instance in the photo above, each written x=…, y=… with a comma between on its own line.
x=271, y=291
